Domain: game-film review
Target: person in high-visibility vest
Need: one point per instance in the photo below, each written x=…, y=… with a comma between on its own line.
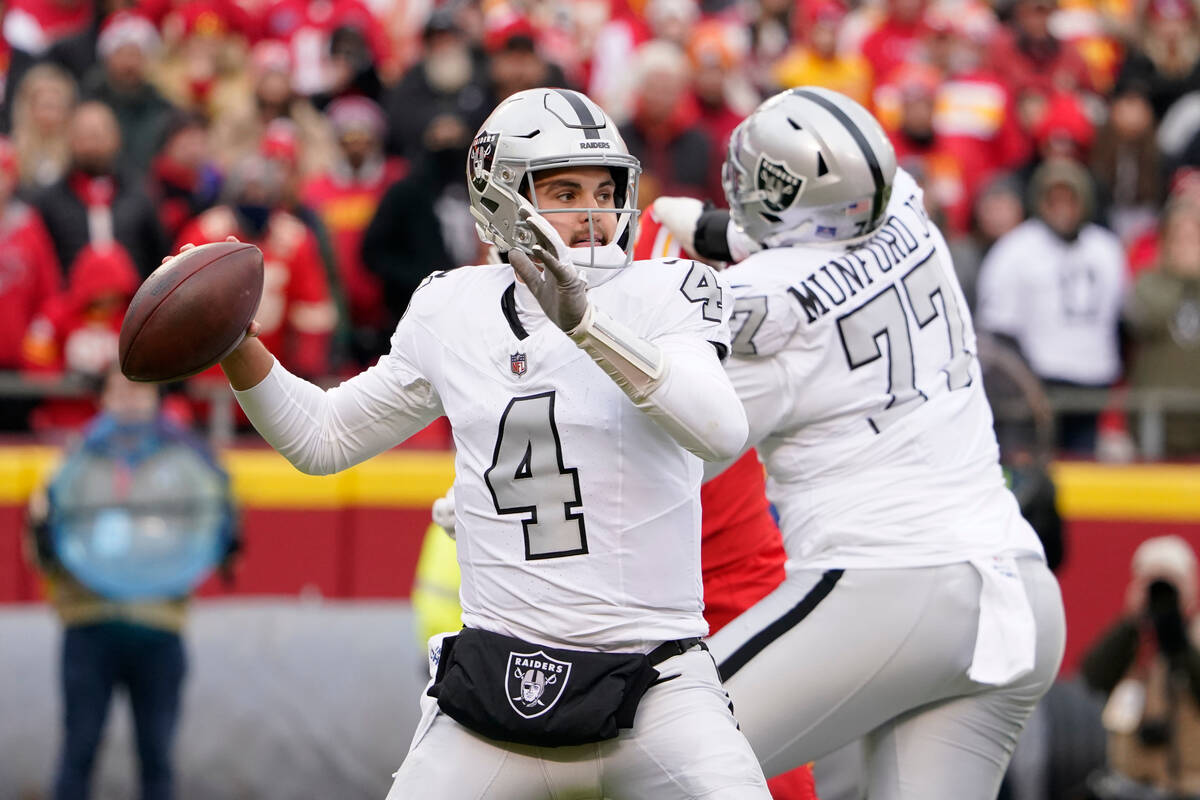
x=435, y=589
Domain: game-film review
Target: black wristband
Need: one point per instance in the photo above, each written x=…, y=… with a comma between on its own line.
x=711, y=240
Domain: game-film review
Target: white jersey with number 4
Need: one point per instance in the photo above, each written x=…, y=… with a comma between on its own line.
x=577, y=517
x=857, y=366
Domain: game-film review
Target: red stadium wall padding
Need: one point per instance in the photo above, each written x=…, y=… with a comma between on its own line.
x=288, y=552
x=387, y=544
x=346, y=553
x=366, y=553
x=1095, y=574
x=358, y=534
x=16, y=579
x=372, y=553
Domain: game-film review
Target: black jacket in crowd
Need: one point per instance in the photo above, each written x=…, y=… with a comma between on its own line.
x=135, y=223
x=404, y=241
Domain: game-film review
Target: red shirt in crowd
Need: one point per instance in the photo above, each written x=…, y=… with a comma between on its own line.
x=206, y=17
x=941, y=175
x=346, y=203
x=296, y=313
x=77, y=331
x=668, y=150
x=892, y=44
x=1055, y=67
x=29, y=277
x=306, y=26
x=35, y=25
x=976, y=121
x=718, y=122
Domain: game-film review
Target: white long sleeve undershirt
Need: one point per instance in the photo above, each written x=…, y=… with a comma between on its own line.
x=325, y=431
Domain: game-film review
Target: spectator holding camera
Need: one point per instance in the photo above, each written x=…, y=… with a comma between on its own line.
x=1148, y=666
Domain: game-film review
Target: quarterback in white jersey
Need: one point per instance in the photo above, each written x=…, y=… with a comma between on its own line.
x=580, y=394
x=918, y=610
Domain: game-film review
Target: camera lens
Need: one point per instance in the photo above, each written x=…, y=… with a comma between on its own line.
x=1162, y=598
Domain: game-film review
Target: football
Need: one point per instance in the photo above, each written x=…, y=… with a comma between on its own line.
x=191, y=312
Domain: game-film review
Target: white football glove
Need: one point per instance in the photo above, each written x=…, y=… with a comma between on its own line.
x=443, y=512
x=679, y=215
x=559, y=289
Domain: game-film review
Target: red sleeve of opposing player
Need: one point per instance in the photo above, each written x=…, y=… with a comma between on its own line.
x=735, y=497
x=741, y=549
x=795, y=785
x=647, y=229
x=654, y=240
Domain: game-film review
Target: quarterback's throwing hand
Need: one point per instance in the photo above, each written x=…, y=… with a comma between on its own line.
x=559, y=289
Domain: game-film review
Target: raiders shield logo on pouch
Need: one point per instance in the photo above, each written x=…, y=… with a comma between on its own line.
x=518, y=364
x=535, y=681
x=778, y=185
x=479, y=160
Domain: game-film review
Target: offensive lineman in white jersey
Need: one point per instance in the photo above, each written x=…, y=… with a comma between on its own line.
x=577, y=398
x=918, y=610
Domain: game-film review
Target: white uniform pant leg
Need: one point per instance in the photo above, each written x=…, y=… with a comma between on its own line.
x=684, y=745
x=684, y=742
x=961, y=746
x=837, y=656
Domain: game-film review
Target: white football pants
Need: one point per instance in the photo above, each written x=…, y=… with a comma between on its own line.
x=883, y=654
x=684, y=744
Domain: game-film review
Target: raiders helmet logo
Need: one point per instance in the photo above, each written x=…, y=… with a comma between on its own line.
x=778, y=185
x=535, y=682
x=479, y=160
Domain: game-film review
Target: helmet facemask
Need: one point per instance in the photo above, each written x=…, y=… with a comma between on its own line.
x=616, y=252
x=552, y=129
x=513, y=181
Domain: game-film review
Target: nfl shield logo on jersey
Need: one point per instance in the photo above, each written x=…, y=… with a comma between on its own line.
x=779, y=186
x=535, y=682
x=517, y=363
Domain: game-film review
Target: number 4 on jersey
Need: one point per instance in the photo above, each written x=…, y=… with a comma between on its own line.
x=700, y=286
x=527, y=476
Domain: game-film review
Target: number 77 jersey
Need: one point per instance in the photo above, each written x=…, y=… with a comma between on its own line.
x=856, y=362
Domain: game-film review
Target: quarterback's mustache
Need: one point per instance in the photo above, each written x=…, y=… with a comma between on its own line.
x=583, y=237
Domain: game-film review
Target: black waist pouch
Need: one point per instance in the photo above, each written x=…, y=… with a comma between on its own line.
x=516, y=691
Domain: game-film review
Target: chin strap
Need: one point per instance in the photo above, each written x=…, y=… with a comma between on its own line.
x=635, y=365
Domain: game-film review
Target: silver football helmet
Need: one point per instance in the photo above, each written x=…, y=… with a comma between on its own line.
x=809, y=165
x=541, y=129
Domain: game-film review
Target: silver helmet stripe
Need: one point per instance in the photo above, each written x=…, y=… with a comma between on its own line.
x=591, y=128
x=860, y=140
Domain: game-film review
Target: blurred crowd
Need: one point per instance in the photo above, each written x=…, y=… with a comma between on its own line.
x=1058, y=142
